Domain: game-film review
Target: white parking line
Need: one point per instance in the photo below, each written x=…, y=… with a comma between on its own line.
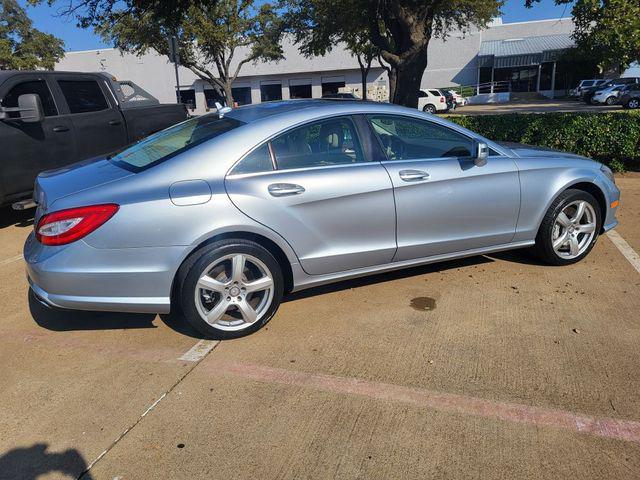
x=629, y=253
x=199, y=350
x=7, y=261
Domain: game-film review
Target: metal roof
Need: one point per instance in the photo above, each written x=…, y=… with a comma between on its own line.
x=515, y=52
x=526, y=46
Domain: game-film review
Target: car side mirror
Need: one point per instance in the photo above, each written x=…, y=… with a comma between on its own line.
x=482, y=152
x=29, y=107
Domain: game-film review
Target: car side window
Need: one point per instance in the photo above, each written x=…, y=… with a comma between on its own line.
x=421, y=94
x=405, y=138
x=83, y=96
x=38, y=87
x=435, y=93
x=328, y=142
x=257, y=161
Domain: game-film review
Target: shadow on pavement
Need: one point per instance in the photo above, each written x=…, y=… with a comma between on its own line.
x=21, y=218
x=31, y=462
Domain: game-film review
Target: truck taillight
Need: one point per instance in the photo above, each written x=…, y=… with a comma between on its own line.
x=66, y=226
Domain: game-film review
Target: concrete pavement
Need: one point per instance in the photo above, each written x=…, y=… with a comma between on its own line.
x=490, y=367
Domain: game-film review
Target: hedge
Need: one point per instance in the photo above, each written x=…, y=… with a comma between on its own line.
x=611, y=138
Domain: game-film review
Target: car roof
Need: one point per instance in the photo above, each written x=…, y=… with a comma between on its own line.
x=310, y=109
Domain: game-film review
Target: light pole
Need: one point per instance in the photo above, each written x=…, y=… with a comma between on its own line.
x=174, y=57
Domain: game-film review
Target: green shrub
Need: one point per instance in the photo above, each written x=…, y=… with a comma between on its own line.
x=611, y=138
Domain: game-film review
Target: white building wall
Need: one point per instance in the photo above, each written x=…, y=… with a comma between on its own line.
x=452, y=61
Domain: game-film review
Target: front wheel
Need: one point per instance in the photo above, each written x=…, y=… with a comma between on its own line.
x=230, y=288
x=633, y=103
x=611, y=101
x=569, y=229
x=429, y=108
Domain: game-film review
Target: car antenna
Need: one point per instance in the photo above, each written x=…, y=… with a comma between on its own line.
x=222, y=110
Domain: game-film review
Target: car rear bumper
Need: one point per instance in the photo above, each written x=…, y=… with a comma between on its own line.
x=78, y=276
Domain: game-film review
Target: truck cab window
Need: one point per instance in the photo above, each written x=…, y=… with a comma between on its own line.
x=38, y=87
x=83, y=96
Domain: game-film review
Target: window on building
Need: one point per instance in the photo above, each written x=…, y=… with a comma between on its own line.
x=331, y=88
x=330, y=142
x=188, y=97
x=546, y=74
x=405, y=138
x=83, y=96
x=300, y=91
x=241, y=95
x=39, y=87
x=211, y=96
x=270, y=92
x=257, y=161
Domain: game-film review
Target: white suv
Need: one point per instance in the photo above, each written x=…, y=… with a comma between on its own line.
x=432, y=100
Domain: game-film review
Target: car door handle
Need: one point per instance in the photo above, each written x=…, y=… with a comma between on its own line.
x=285, y=189
x=114, y=123
x=60, y=128
x=413, y=175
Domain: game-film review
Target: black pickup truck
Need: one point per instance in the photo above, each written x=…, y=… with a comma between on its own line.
x=52, y=119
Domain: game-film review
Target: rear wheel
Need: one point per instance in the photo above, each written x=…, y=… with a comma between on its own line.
x=633, y=103
x=569, y=228
x=610, y=100
x=429, y=108
x=230, y=288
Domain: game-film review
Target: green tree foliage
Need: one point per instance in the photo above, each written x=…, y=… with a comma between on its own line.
x=399, y=29
x=215, y=39
x=607, y=30
x=22, y=47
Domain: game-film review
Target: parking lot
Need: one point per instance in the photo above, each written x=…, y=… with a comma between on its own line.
x=490, y=367
x=534, y=106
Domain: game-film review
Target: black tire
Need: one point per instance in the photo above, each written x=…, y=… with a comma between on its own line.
x=611, y=101
x=633, y=103
x=195, y=265
x=544, y=248
x=429, y=108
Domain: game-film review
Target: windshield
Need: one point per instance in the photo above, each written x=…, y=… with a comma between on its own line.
x=168, y=143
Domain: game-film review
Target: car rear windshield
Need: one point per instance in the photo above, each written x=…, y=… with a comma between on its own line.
x=168, y=143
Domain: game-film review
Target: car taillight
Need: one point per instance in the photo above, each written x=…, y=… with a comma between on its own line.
x=441, y=99
x=66, y=226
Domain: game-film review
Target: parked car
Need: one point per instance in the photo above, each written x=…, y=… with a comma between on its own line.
x=459, y=99
x=341, y=96
x=588, y=93
x=584, y=85
x=222, y=214
x=432, y=101
x=607, y=96
x=630, y=96
x=52, y=119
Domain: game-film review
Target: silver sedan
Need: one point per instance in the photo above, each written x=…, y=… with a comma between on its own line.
x=219, y=216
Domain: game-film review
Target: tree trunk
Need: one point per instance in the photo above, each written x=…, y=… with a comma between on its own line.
x=228, y=93
x=405, y=79
x=364, y=73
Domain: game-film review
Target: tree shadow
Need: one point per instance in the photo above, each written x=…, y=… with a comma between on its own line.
x=18, y=218
x=29, y=463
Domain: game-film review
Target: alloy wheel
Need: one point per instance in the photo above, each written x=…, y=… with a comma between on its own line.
x=234, y=292
x=633, y=103
x=574, y=229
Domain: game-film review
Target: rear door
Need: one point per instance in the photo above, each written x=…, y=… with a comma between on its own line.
x=29, y=148
x=319, y=187
x=97, y=122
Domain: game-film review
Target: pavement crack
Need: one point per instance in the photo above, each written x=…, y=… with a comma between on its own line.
x=144, y=414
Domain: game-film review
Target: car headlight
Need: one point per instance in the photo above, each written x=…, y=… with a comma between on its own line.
x=607, y=171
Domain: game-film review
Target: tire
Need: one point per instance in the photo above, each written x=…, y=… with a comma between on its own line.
x=633, y=103
x=551, y=229
x=218, y=260
x=429, y=108
x=611, y=101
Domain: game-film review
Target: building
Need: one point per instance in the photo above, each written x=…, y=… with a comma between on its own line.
x=515, y=57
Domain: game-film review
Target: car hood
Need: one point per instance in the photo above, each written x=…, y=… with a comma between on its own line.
x=52, y=185
x=522, y=150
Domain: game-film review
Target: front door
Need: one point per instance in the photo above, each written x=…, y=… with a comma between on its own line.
x=98, y=124
x=445, y=203
x=29, y=148
x=321, y=191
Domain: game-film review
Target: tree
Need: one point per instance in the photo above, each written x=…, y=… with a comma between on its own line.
x=400, y=29
x=225, y=34
x=607, y=30
x=23, y=47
